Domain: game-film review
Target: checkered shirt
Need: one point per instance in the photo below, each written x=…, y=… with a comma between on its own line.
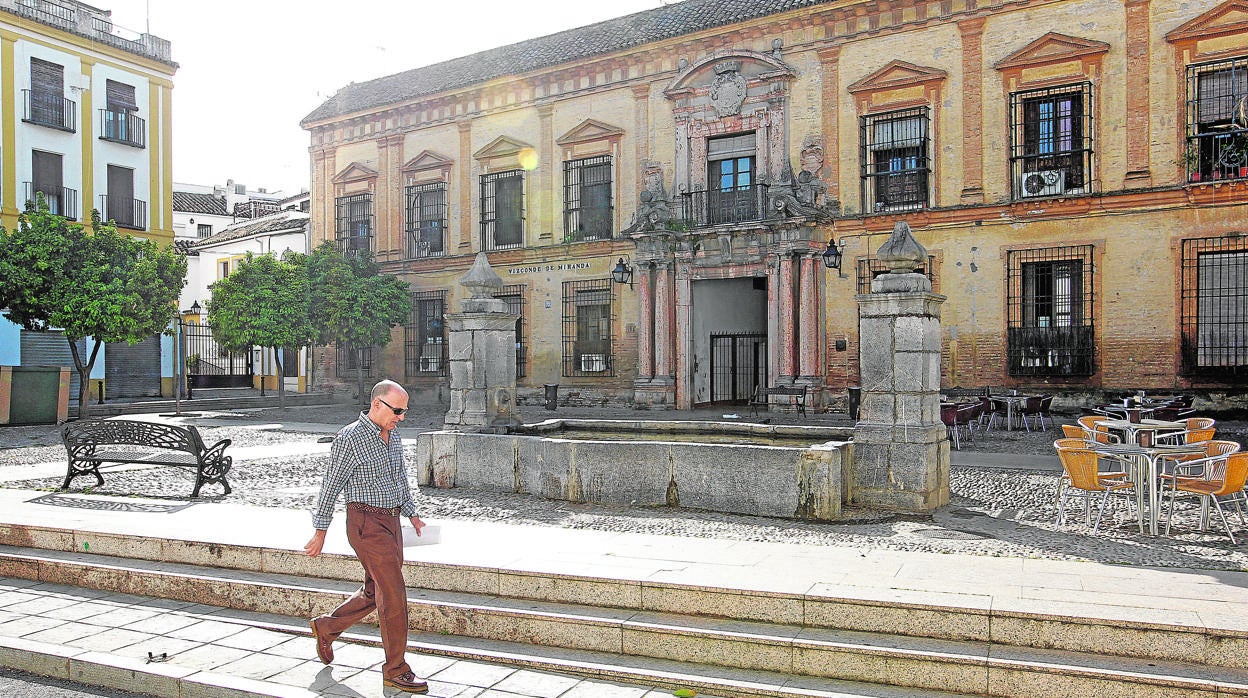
x=365, y=469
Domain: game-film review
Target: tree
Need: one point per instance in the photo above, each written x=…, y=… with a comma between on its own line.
x=264, y=303
x=353, y=303
x=106, y=285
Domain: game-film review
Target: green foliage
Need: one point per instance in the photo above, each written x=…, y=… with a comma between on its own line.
x=106, y=285
x=353, y=303
x=264, y=302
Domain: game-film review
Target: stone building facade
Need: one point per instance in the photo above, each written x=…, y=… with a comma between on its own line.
x=1077, y=170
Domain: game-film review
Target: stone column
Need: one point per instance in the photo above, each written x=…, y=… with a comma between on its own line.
x=663, y=311
x=808, y=344
x=1139, y=41
x=645, y=324
x=786, y=337
x=483, y=357
x=972, y=110
x=901, y=454
x=465, y=186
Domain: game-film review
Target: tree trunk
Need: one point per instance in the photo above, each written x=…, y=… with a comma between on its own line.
x=84, y=376
x=359, y=375
x=281, y=378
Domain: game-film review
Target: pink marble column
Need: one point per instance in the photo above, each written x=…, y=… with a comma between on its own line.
x=811, y=327
x=681, y=342
x=786, y=337
x=663, y=311
x=645, y=324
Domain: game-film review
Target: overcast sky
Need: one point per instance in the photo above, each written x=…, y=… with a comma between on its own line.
x=249, y=71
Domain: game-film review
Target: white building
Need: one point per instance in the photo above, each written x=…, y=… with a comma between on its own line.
x=86, y=118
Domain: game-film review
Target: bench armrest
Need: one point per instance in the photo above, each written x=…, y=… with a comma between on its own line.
x=216, y=451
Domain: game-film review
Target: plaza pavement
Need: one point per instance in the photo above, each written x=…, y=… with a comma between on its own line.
x=184, y=649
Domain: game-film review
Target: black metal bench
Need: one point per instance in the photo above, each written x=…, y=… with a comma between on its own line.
x=795, y=393
x=158, y=444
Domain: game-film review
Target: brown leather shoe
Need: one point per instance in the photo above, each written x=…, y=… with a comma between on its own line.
x=324, y=646
x=407, y=683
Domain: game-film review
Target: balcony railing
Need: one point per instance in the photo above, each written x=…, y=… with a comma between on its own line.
x=126, y=213
x=724, y=206
x=125, y=127
x=48, y=12
x=51, y=110
x=61, y=201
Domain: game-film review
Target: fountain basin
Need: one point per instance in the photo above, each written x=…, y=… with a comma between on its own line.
x=740, y=468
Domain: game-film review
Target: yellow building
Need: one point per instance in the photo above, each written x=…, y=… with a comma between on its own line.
x=85, y=120
x=1077, y=169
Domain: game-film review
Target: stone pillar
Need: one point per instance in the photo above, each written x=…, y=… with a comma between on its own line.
x=465, y=186
x=1139, y=139
x=972, y=110
x=663, y=311
x=901, y=454
x=645, y=324
x=808, y=344
x=483, y=357
x=786, y=336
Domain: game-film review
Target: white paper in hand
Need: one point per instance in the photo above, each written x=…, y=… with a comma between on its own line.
x=431, y=534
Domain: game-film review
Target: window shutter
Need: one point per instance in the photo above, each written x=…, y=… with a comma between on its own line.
x=120, y=96
x=47, y=172
x=47, y=78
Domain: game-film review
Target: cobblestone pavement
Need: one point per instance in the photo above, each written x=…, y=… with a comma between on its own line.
x=994, y=511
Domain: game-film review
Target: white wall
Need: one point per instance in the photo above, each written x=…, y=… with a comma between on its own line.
x=722, y=305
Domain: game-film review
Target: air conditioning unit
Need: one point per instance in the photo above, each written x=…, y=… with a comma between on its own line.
x=593, y=363
x=1042, y=183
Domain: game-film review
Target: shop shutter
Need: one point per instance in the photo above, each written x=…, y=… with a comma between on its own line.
x=132, y=370
x=51, y=349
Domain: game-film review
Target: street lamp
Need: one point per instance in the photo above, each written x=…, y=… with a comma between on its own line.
x=832, y=255
x=622, y=273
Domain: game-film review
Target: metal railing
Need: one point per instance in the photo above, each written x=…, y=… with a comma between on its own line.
x=126, y=213
x=724, y=206
x=61, y=201
x=87, y=21
x=51, y=110
x=48, y=12
x=123, y=127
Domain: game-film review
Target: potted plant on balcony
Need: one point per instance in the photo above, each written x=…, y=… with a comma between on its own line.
x=1190, y=161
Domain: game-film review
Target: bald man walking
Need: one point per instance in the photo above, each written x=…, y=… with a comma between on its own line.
x=366, y=465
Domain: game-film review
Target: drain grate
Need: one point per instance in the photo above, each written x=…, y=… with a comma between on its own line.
x=950, y=534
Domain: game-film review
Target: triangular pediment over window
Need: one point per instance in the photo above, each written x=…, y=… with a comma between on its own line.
x=1052, y=48
x=590, y=130
x=427, y=160
x=897, y=74
x=1227, y=18
x=355, y=172
x=501, y=147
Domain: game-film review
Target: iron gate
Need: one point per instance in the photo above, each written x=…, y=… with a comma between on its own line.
x=209, y=365
x=738, y=366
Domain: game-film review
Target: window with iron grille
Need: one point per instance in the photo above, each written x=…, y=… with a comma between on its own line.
x=733, y=193
x=502, y=210
x=426, y=220
x=349, y=361
x=513, y=296
x=353, y=222
x=587, y=323
x=1050, y=330
x=1214, y=313
x=204, y=230
x=587, y=199
x=870, y=267
x=893, y=153
x=424, y=337
x=1051, y=141
x=1217, y=120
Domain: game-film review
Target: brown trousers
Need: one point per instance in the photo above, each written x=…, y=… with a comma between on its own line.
x=378, y=543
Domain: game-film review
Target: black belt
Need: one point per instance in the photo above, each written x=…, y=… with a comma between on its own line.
x=361, y=506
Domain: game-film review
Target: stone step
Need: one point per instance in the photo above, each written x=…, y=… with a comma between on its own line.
x=1075, y=626
x=781, y=649
x=273, y=668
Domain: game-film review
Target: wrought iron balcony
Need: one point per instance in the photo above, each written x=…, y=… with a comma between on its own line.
x=125, y=127
x=126, y=213
x=51, y=110
x=706, y=208
x=61, y=201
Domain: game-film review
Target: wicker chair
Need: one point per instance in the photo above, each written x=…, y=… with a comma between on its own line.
x=1080, y=466
x=1234, y=476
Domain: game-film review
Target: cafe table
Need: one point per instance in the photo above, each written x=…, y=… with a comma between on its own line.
x=1011, y=401
x=1143, y=461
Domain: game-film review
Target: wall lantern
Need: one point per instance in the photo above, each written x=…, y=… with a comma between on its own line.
x=832, y=255
x=623, y=273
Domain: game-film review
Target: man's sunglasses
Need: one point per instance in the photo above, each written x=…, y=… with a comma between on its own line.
x=398, y=411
